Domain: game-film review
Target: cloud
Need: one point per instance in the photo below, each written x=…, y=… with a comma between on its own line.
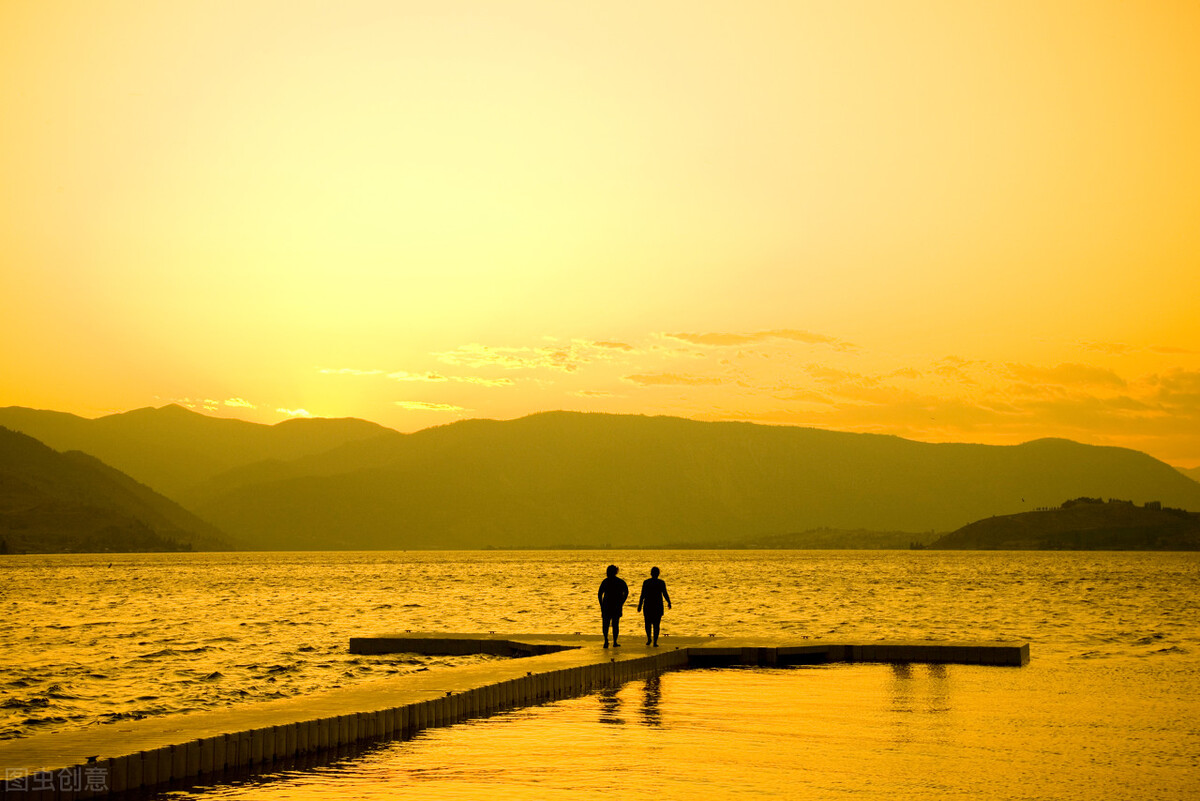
x=476, y=356
x=1179, y=391
x=484, y=382
x=593, y=393
x=1066, y=375
x=721, y=340
x=667, y=379
x=240, y=403
x=423, y=406
x=432, y=377
x=1119, y=349
x=1111, y=348
x=295, y=412
x=833, y=375
x=956, y=368
x=566, y=358
x=207, y=404
x=804, y=396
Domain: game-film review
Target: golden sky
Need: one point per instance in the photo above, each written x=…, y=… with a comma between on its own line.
x=944, y=220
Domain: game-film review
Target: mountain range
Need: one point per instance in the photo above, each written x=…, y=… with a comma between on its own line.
x=51, y=501
x=578, y=480
x=174, y=449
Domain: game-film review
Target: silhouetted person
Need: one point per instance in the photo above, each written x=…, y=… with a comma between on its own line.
x=650, y=603
x=612, y=595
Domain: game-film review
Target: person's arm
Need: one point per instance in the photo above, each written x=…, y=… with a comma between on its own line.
x=666, y=595
x=600, y=594
x=641, y=596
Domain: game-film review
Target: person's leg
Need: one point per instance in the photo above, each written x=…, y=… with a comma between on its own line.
x=605, y=631
x=656, y=624
x=616, y=621
x=648, y=625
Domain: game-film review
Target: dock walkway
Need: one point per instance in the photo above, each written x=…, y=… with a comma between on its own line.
x=177, y=750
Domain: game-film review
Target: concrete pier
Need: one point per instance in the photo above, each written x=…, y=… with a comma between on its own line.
x=180, y=749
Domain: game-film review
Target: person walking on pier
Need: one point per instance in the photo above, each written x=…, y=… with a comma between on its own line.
x=612, y=595
x=650, y=604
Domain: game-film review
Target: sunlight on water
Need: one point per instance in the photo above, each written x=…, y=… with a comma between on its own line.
x=866, y=731
x=1106, y=709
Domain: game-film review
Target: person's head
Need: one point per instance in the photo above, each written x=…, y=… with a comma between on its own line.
x=654, y=572
x=612, y=570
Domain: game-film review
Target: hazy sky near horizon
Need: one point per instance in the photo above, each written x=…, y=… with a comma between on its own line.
x=948, y=221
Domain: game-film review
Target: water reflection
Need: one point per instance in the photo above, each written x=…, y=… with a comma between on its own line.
x=651, y=695
x=919, y=695
x=850, y=731
x=912, y=693
x=649, y=714
x=610, y=706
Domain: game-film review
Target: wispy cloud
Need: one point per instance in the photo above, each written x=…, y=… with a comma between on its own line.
x=207, y=404
x=720, y=340
x=1179, y=391
x=424, y=406
x=593, y=393
x=430, y=377
x=668, y=379
x=567, y=358
x=1112, y=348
x=240, y=403
x=831, y=375
x=1066, y=374
x=436, y=378
x=483, y=382
x=295, y=412
x=1121, y=349
x=956, y=368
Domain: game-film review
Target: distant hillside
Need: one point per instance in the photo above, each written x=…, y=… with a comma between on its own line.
x=175, y=450
x=72, y=502
x=1083, y=524
x=830, y=539
x=564, y=479
x=1193, y=473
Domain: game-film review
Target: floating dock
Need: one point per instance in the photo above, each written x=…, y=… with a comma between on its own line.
x=179, y=750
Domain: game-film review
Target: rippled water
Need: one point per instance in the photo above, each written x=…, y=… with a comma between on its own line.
x=1108, y=708
x=843, y=731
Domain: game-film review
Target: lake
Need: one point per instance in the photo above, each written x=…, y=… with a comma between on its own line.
x=1108, y=707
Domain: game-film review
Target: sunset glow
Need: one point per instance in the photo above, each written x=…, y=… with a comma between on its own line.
x=946, y=221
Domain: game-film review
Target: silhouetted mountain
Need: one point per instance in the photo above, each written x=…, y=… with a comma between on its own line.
x=1087, y=524
x=572, y=479
x=175, y=450
x=55, y=502
x=1193, y=473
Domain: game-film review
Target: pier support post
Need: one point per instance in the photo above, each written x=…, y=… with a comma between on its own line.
x=179, y=761
x=133, y=771
x=205, y=765
x=257, y=746
x=149, y=768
